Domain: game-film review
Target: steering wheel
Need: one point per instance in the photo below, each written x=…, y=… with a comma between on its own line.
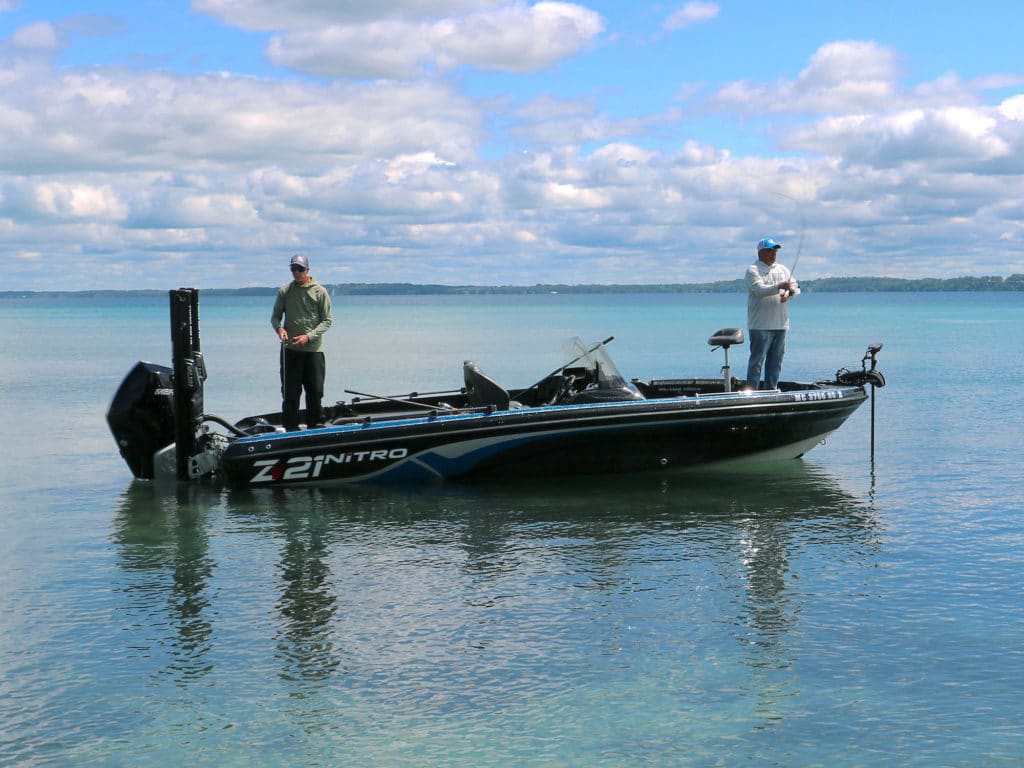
x=563, y=390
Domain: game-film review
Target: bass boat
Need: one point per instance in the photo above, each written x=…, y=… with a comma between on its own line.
x=581, y=418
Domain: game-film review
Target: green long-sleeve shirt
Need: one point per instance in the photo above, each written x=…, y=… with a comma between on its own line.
x=306, y=309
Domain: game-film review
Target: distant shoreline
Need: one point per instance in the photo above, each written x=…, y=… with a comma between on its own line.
x=1014, y=282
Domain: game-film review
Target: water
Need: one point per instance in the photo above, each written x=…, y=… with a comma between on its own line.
x=828, y=611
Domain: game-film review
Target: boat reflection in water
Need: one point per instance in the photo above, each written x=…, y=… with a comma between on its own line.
x=420, y=592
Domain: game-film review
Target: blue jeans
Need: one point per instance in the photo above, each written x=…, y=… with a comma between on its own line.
x=767, y=349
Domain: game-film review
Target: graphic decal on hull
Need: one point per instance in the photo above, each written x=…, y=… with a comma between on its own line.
x=311, y=467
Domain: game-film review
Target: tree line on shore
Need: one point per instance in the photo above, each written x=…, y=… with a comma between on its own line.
x=1014, y=282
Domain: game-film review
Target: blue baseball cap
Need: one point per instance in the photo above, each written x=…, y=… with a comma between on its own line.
x=767, y=244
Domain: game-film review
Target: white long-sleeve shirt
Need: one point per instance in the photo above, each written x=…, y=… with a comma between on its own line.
x=765, y=310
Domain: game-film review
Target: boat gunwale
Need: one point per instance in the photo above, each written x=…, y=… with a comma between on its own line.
x=515, y=417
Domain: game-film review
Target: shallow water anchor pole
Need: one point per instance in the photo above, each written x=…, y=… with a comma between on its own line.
x=189, y=374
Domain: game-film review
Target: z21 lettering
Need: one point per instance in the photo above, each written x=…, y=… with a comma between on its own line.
x=310, y=467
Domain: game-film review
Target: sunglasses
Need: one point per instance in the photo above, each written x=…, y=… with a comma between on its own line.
x=297, y=269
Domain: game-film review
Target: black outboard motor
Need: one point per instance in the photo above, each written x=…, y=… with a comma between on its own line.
x=156, y=405
x=141, y=416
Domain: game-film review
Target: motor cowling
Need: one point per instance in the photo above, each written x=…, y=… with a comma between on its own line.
x=141, y=416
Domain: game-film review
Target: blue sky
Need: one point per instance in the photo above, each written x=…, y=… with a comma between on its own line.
x=157, y=144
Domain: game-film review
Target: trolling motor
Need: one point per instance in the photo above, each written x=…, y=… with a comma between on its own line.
x=866, y=375
x=725, y=338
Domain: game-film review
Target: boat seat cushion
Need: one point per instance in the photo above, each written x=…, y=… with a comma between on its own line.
x=482, y=390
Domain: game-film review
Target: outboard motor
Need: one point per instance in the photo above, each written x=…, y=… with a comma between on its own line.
x=156, y=406
x=141, y=416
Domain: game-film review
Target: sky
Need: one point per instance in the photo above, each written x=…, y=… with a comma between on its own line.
x=167, y=143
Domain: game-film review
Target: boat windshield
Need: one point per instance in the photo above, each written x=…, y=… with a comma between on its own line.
x=600, y=368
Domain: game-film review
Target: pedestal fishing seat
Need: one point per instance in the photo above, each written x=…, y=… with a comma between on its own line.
x=725, y=338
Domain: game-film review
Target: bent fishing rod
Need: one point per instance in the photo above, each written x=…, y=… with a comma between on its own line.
x=800, y=241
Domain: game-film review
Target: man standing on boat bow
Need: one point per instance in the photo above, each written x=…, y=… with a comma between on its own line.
x=769, y=288
x=305, y=306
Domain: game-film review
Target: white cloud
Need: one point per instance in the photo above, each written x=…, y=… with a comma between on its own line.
x=1013, y=108
x=861, y=114
x=32, y=199
x=514, y=38
x=387, y=49
x=413, y=180
x=41, y=36
x=841, y=77
x=517, y=38
x=78, y=201
x=300, y=14
x=107, y=120
x=690, y=14
x=180, y=209
x=549, y=121
x=947, y=139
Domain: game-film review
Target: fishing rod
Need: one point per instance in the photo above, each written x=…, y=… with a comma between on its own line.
x=399, y=400
x=284, y=373
x=799, y=246
x=803, y=227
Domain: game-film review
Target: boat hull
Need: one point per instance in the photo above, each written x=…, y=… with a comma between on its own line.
x=585, y=439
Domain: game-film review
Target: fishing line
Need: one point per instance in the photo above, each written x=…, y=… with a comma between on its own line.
x=803, y=227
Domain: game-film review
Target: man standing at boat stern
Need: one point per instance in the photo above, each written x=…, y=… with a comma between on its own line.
x=769, y=289
x=305, y=306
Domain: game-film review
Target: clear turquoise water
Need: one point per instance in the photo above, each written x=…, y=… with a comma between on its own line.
x=830, y=611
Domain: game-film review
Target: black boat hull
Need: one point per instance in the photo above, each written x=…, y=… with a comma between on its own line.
x=586, y=439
